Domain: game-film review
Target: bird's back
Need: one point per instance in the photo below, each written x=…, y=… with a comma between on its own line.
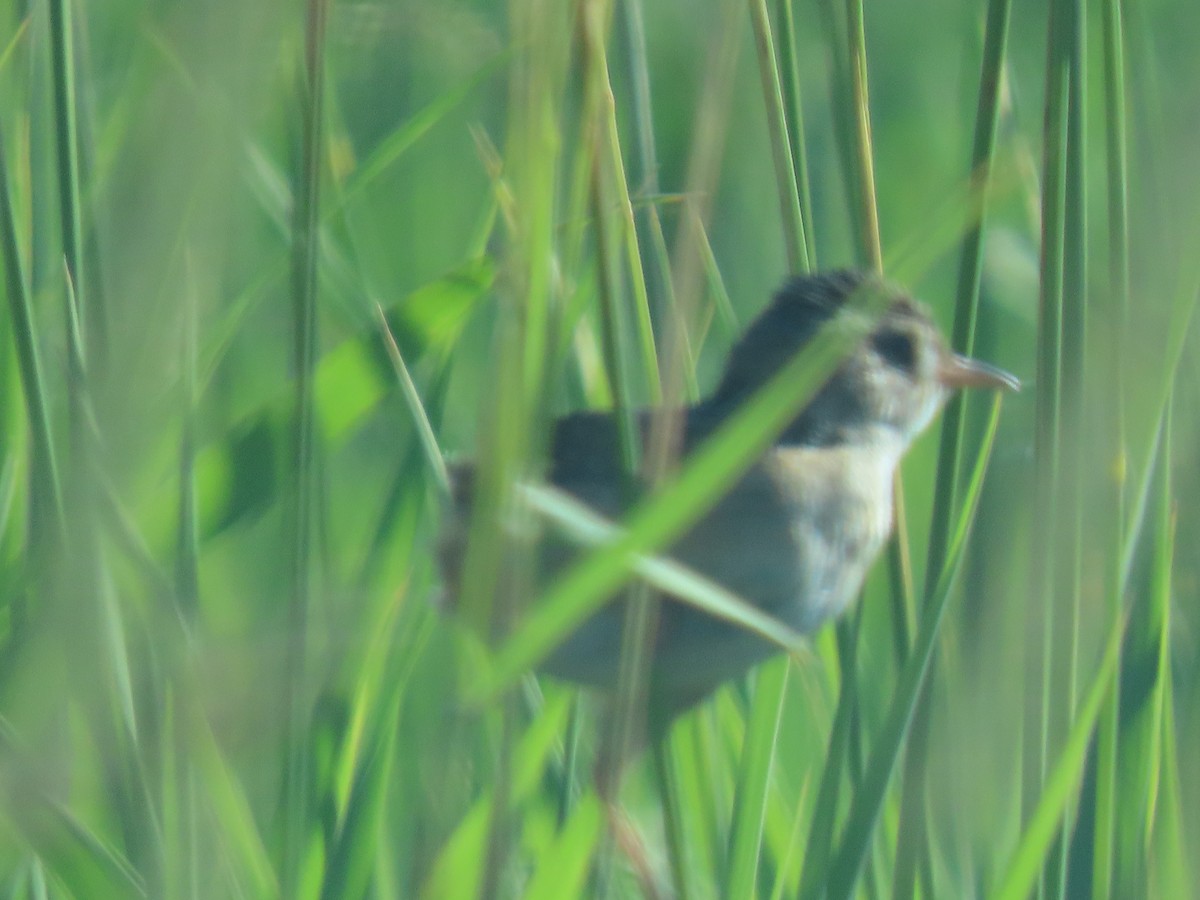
x=744, y=543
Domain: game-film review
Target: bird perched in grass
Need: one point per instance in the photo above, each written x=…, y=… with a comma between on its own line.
x=796, y=534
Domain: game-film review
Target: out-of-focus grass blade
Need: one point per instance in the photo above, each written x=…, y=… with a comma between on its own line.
x=76, y=855
x=660, y=291
x=187, y=541
x=1077, y=456
x=46, y=493
x=675, y=821
x=247, y=859
x=459, y=868
x=913, y=827
x=403, y=138
x=1145, y=696
x=822, y=823
x=616, y=192
x=584, y=525
x=754, y=779
x=722, y=305
x=99, y=660
x=864, y=156
x=296, y=820
x=368, y=754
x=563, y=868
x=18, y=36
x=789, y=77
x=83, y=861
x=67, y=146
x=270, y=186
x=868, y=801
x=703, y=791
x=1105, y=847
x=1062, y=782
x=1172, y=871
x=433, y=316
x=966, y=312
x=781, y=147
x=1044, y=724
x=433, y=453
x=790, y=862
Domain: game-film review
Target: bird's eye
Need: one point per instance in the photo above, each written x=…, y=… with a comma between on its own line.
x=897, y=349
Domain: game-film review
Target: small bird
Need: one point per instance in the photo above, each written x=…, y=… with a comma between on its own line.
x=797, y=533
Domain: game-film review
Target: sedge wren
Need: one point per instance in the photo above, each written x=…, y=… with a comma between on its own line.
x=796, y=534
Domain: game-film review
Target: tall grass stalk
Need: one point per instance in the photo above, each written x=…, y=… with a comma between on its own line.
x=304, y=489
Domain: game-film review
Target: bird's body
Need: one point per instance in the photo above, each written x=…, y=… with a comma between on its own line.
x=794, y=536
x=797, y=533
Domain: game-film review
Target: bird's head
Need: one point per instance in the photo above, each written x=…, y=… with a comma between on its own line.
x=888, y=388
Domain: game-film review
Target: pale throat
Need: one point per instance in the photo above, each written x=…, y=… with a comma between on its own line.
x=847, y=483
x=840, y=511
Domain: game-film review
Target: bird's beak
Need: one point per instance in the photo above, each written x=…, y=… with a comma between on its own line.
x=963, y=372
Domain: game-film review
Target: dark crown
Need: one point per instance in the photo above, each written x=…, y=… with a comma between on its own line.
x=795, y=315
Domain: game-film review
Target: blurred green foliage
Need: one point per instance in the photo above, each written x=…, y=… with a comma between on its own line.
x=155, y=672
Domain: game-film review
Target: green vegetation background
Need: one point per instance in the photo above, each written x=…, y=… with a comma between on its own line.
x=221, y=672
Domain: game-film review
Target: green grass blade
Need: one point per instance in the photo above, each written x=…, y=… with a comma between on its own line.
x=69, y=187
x=78, y=856
x=246, y=861
x=680, y=362
x=187, y=556
x=429, y=442
x=84, y=862
x=1172, y=872
x=296, y=821
x=369, y=754
x=823, y=824
x=1117, y=169
x=580, y=523
x=459, y=869
x=1021, y=874
x=564, y=866
x=864, y=156
x=403, y=139
x=790, y=78
x=795, y=239
x=1048, y=425
x=46, y=511
x=754, y=780
x=1145, y=694
x=966, y=310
